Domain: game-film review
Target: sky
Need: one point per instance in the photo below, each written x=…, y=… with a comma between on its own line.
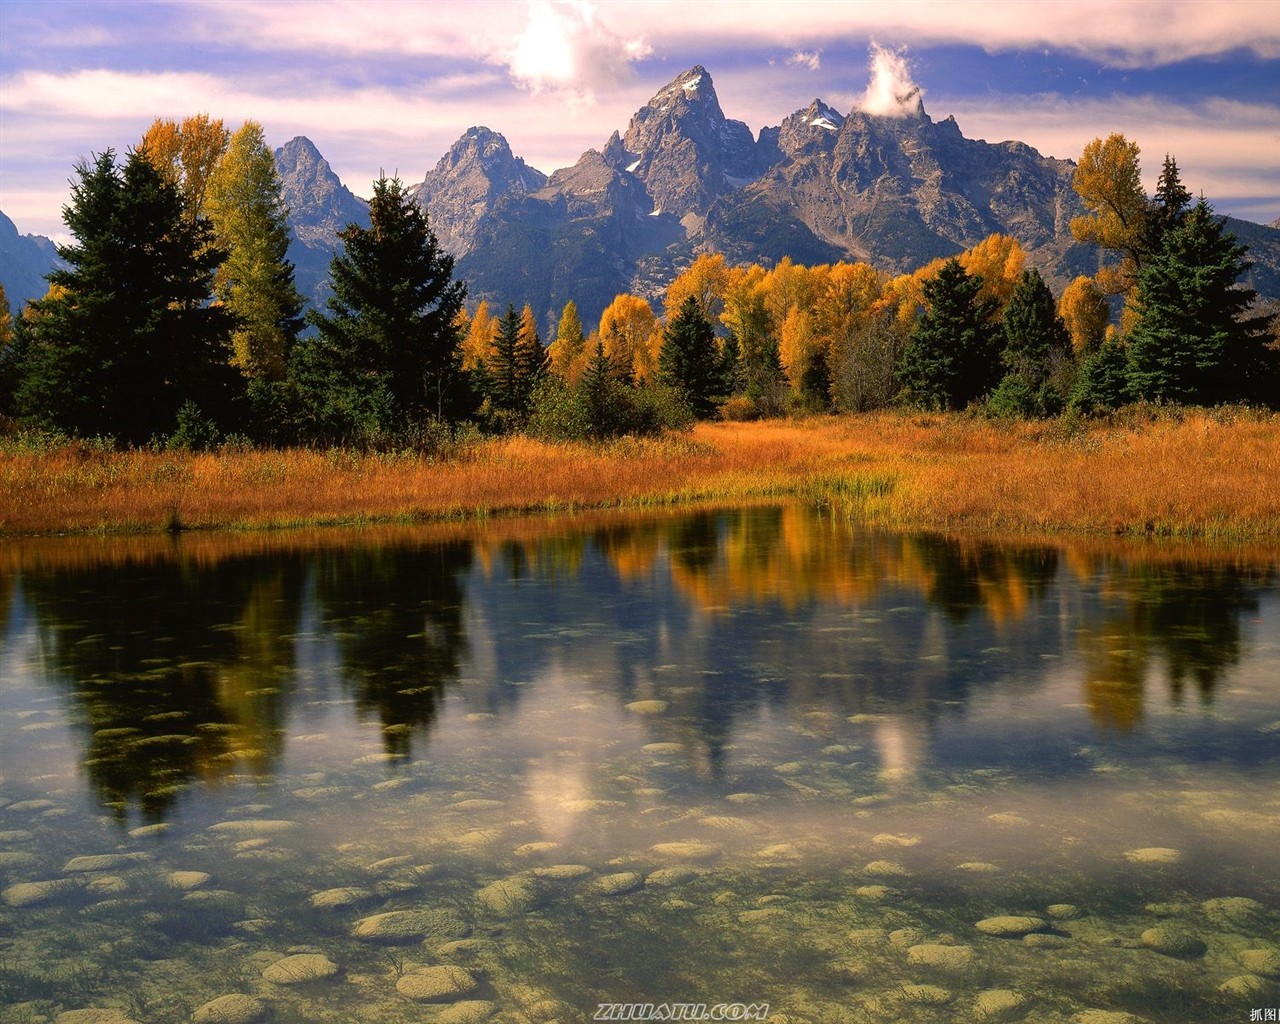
x=389, y=85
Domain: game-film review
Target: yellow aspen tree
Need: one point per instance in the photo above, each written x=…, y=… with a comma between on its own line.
x=569, y=342
x=706, y=280
x=999, y=260
x=625, y=329
x=478, y=345
x=187, y=155
x=1083, y=308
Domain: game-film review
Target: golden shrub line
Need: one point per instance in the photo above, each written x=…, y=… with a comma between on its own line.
x=1202, y=474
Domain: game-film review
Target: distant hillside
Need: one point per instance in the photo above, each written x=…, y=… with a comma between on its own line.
x=24, y=262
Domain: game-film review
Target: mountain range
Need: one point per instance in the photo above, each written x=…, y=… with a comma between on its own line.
x=894, y=191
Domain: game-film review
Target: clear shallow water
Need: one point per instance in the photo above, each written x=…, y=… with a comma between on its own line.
x=747, y=756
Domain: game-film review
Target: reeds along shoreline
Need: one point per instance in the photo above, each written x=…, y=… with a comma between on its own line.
x=1203, y=474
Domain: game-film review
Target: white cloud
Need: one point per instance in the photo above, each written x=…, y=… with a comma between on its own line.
x=891, y=92
x=564, y=46
x=811, y=59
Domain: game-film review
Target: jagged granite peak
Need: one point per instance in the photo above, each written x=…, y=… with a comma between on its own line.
x=818, y=124
x=684, y=149
x=24, y=262
x=462, y=188
x=319, y=204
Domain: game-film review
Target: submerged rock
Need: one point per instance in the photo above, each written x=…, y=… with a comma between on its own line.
x=404, y=926
x=647, y=707
x=562, y=872
x=101, y=862
x=996, y=1003
x=1063, y=911
x=1232, y=912
x=1244, y=986
x=444, y=983
x=616, y=884
x=1260, y=961
x=665, y=878
x=340, y=899
x=300, y=968
x=1010, y=927
x=468, y=1011
x=508, y=896
x=29, y=894
x=686, y=850
x=926, y=995
x=1173, y=941
x=230, y=1009
x=94, y=1015
x=951, y=958
x=1153, y=855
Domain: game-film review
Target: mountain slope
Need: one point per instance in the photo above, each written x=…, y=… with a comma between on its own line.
x=24, y=262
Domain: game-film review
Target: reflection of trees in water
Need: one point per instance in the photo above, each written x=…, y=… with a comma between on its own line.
x=1185, y=617
x=185, y=673
x=178, y=671
x=396, y=616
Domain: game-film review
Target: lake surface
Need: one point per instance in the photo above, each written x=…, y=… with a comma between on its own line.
x=753, y=756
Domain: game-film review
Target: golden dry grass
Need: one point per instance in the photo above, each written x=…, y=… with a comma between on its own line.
x=1203, y=474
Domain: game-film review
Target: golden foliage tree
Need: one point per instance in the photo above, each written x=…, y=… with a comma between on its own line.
x=1083, y=308
x=566, y=350
x=627, y=329
x=1109, y=180
x=186, y=154
x=706, y=279
x=478, y=345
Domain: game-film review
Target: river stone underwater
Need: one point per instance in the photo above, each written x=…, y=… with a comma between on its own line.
x=512, y=771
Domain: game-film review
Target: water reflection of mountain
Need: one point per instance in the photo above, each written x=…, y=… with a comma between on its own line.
x=186, y=669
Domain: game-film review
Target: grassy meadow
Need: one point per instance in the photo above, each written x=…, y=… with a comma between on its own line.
x=1197, y=474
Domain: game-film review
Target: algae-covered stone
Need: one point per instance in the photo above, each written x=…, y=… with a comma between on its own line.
x=187, y=880
x=300, y=968
x=950, y=958
x=1173, y=941
x=1105, y=1017
x=1153, y=855
x=468, y=1011
x=29, y=894
x=1063, y=911
x=1234, y=912
x=252, y=827
x=887, y=869
x=508, y=896
x=1045, y=940
x=230, y=1009
x=101, y=862
x=995, y=1003
x=926, y=995
x=665, y=878
x=978, y=867
x=404, y=926
x=616, y=884
x=905, y=938
x=94, y=1015
x=1244, y=986
x=1010, y=926
x=647, y=707
x=1260, y=961
x=444, y=983
x=873, y=893
x=562, y=872
x=686, y=850
x=342, y=898
x=533, y=849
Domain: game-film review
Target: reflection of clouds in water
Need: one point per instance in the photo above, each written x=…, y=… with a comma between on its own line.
x=902, y=748
x=555, y=793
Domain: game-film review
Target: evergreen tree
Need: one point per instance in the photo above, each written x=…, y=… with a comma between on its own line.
x=1102, y=382
x=126, y=336
x=386, y=355
x=255, y=281
x=689, y=360
x=531, y=356
x=1170, y=204
x=950, y=358
x=1036, y=343
x=503, y=370
x=1194, y=340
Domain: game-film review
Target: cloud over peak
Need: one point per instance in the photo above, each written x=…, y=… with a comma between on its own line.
x=565, y=47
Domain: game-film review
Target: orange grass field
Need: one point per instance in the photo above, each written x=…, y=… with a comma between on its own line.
x=1212, y=475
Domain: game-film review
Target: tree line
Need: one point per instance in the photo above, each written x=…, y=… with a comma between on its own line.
x=177, y=319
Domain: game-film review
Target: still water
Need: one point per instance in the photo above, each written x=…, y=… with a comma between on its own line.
x=747, y=756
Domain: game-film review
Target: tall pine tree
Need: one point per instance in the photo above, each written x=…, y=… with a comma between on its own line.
x=127, y=336
x=386, y=355
x=1195, y=340
x=689, y=360
x=951, y=358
